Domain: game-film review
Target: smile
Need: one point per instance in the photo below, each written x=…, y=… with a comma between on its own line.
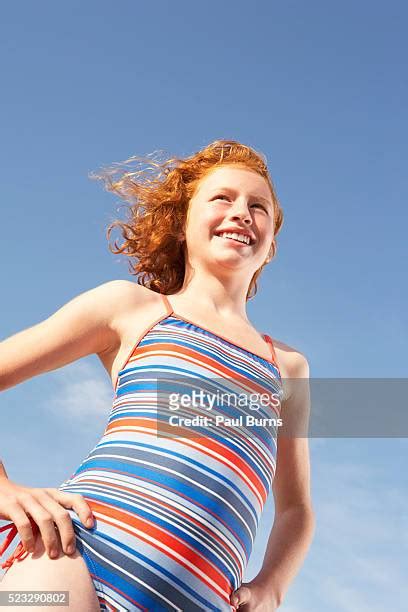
x=235, y=238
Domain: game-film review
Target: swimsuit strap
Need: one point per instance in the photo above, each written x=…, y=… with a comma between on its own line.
x=167, y=304
x=269, y=340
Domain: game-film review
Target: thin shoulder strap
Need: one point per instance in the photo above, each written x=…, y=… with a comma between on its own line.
x=269, y=340
x=167, y=304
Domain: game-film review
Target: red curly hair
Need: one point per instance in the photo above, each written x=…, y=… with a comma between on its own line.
x=154, y=232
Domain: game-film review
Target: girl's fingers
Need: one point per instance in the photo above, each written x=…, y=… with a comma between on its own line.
x=47, y=508
x=63, y=522
x=45, y=522
x=23, y=525
x=76, y=502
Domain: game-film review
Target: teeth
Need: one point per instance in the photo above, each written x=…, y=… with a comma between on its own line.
x=235, y=236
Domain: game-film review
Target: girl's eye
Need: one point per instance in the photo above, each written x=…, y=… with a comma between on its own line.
x=221, y=195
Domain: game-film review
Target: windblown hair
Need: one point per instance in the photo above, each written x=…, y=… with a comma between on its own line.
x=154, y=233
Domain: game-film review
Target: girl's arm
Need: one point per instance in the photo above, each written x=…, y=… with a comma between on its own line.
x=293, y=526
x=83, y=326
x=3, y=473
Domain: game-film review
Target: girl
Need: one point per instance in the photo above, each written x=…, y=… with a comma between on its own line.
x=175, y=488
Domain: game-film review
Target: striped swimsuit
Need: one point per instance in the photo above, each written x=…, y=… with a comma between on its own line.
x=177, y=506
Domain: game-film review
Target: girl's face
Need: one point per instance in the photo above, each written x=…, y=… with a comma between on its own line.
x=230, y=199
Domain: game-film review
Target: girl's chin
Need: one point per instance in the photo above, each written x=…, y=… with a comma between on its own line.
x=229, y=260
x=225, y=254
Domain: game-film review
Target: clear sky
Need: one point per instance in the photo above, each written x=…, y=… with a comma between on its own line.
x=320, y=89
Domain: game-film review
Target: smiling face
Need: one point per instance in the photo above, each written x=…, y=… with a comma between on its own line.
x=233, y=199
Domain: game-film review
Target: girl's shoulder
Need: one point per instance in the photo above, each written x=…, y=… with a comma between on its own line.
x=292, y=362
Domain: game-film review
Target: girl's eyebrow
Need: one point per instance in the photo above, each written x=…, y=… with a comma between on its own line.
x=233, y=192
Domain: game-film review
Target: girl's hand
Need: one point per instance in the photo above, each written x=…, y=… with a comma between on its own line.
x=46, y=508
x=252, y=597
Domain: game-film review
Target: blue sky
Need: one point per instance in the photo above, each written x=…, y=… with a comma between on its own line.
x=319, y=88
